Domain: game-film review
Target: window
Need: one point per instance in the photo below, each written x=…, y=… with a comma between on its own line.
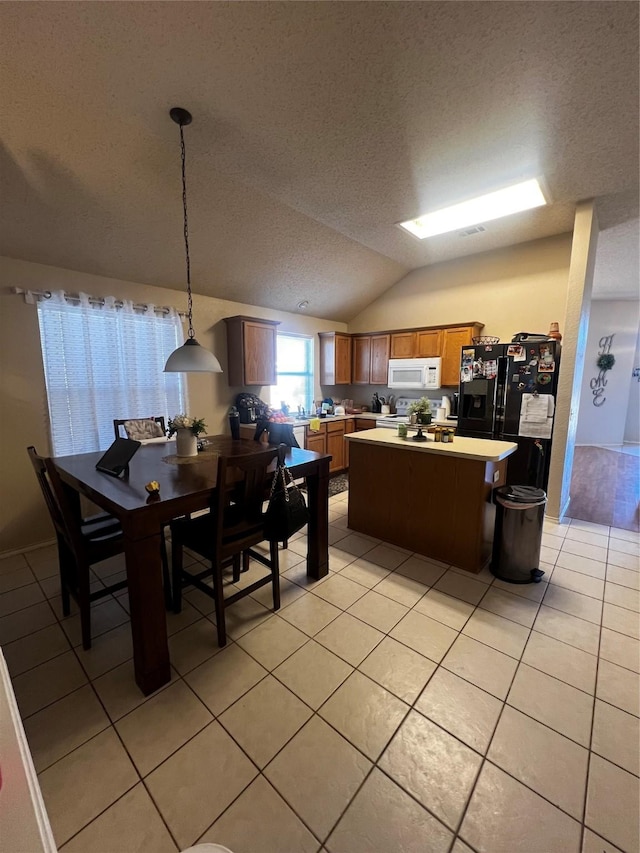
x=294, y=366
x=103, y=362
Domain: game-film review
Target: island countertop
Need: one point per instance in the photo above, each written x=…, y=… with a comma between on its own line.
x=480, y=449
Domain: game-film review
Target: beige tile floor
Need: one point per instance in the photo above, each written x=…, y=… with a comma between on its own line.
x=397, y=705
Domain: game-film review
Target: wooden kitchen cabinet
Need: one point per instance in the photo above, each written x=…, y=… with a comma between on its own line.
x=316, y=441
x=364, y=359
x=328, y=439
x=364, y=423
x=361, y=364
x=453, y=340
x=380, y=347
x=335, y=445
x=251, y=351
x=370, y=359
x=428, y=343
x=349, y=426
x=335, y=358
x=403, y=344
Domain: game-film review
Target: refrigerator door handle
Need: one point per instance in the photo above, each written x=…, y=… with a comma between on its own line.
x=500, y=403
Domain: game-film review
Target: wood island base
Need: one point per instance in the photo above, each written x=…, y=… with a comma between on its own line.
x=434, y=504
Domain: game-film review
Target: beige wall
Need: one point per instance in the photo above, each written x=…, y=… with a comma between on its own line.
x=24, y=521
x=522, y=288
x=604, y=424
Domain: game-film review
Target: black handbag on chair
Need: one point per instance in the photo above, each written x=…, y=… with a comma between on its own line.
x=287, y=511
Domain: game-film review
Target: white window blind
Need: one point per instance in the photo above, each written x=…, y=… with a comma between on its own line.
x=103, y=362
x=294, y=368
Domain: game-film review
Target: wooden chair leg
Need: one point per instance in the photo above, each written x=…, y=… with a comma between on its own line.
x=245, y=561
x=63, y=558
x=275, y=574
x=218, y=593
x=176, y=573
x=285, y=544
x=166, y=576
x=84, y=603
x=236, y=567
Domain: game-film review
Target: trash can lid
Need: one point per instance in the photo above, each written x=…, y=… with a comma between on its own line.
x=522, y=494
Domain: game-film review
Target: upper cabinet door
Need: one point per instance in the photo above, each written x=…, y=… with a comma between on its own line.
x=453, y=340
x=403, y=345
x=380, y=346
x=260, y=354
x=335, y=358
x=361, y=373
x=429, y=343
x=251, y=351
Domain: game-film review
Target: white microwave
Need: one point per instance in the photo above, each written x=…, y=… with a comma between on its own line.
x=419, y=373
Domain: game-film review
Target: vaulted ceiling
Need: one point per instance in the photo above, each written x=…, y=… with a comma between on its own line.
x=317, y=127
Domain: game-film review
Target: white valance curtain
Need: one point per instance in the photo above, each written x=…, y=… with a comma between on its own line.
x=105, y=361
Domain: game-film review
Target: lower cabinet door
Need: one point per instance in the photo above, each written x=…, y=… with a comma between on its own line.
x=335, y=446
x=315, y=442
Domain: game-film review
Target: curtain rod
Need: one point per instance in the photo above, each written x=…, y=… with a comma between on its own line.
x=94, y=300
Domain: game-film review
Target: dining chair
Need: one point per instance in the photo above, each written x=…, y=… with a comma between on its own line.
x=227, y=535
x=82, y=543
x=140, y=428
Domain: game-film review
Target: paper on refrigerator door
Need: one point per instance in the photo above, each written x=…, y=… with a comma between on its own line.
x=536, y=415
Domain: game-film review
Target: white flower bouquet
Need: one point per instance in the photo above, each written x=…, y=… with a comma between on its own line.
x=194, y=425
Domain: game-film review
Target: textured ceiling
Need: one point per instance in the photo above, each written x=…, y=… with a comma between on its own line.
x=317, y=127
x=615, y=275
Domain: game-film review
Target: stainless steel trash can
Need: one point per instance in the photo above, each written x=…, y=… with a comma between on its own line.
x=518, y=533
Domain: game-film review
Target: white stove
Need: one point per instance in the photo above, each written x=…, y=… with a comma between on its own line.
x=401, y=416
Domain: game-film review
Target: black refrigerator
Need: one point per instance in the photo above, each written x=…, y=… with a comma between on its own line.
x=508, y=392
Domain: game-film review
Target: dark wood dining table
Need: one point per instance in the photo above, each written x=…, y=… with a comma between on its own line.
x=186, y=485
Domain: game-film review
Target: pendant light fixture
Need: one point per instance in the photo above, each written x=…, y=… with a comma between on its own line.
x=190, y=357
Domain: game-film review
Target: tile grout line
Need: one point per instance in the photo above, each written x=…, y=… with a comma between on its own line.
x=484, y=757
x=111, y=724
x=459, y=631
x=589, y=752
x=316, y=713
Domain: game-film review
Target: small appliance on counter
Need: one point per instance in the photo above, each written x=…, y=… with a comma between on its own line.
x=444, y=409
x=529, y=338
x=251, y=408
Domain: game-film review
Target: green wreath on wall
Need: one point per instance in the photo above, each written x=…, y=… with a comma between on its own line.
x=606, y=361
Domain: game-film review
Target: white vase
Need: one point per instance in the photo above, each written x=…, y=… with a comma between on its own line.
x=186, y=443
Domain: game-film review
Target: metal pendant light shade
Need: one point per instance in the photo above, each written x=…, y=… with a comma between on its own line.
x=190, y=357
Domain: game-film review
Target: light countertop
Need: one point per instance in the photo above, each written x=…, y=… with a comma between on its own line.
x=368, y=416
x=307, y=420
x=481, y=449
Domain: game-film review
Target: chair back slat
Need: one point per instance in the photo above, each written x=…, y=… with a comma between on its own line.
x=244, y=478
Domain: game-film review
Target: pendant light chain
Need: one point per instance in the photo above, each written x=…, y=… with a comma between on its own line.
x=190, y=357
x=186, y=233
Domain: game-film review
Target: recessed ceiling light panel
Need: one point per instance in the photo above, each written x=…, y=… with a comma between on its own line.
x=484, y=208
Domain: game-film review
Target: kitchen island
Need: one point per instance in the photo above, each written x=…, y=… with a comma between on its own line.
x=427, y=497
